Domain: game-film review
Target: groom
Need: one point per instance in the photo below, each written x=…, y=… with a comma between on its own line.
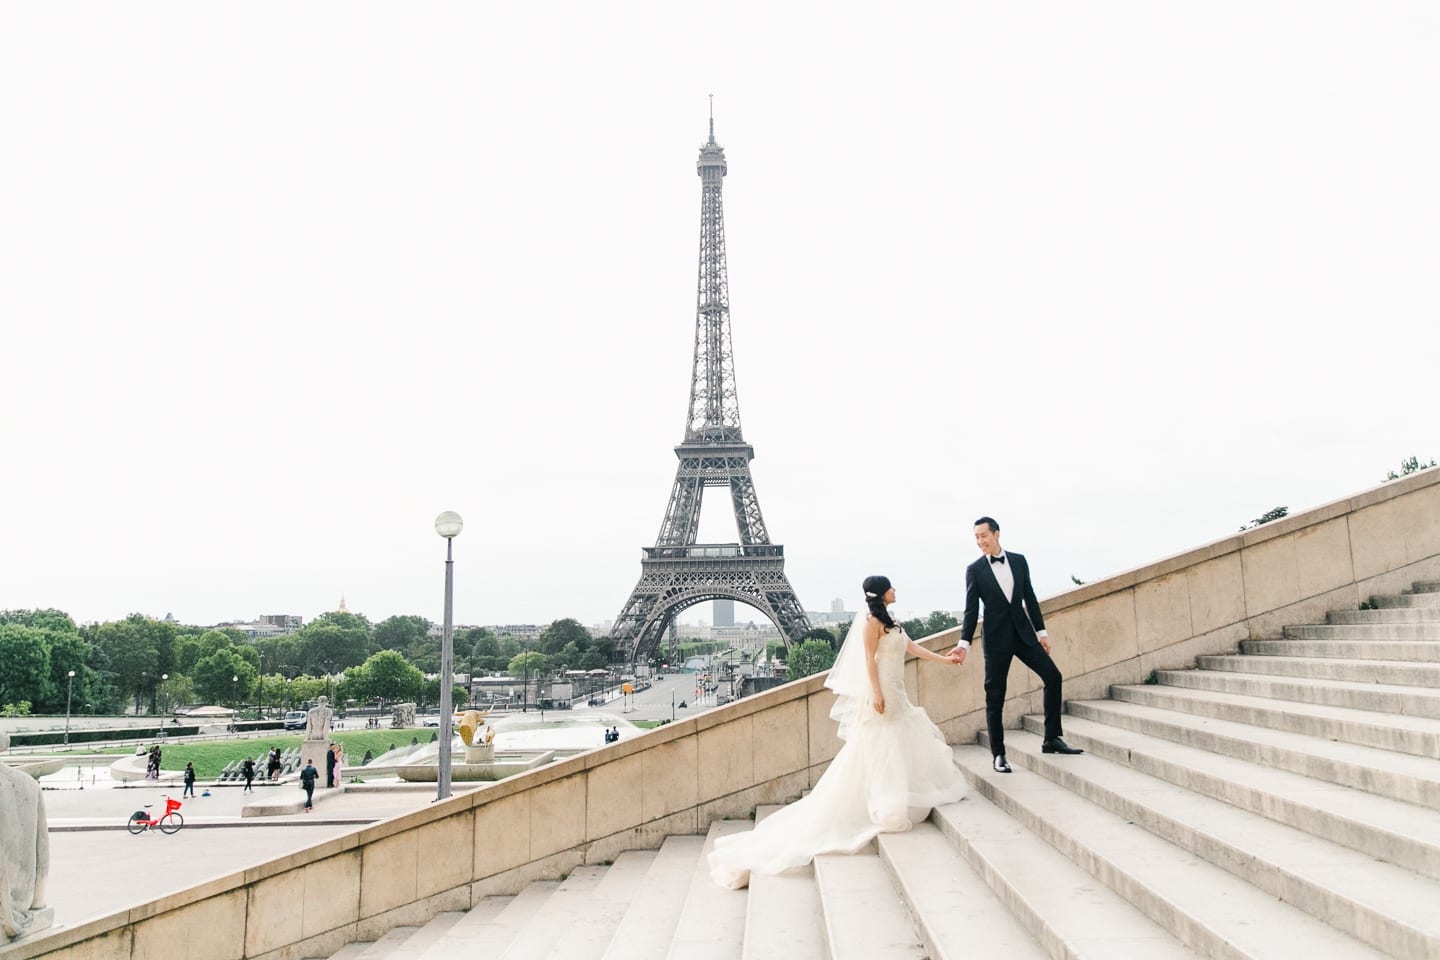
x=1001, y=581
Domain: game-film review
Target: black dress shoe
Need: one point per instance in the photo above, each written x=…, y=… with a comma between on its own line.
x=1058, y=746
x=1001, y=764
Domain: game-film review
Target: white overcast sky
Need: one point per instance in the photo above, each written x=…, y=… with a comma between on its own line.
x=280, y=282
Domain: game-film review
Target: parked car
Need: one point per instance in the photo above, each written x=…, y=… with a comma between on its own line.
x=295, y=720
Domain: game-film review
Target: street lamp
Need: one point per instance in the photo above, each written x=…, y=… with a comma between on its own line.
x=448, y=525
x=165, y=694
x=69, y=689
x=234, y=702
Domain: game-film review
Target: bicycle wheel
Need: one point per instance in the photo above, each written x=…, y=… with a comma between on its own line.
x=171, y=822
x=138, y=823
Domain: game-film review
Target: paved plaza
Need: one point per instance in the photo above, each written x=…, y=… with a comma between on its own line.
x=97, y=867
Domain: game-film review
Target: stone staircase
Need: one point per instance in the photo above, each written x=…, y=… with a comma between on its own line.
x=1276, y=803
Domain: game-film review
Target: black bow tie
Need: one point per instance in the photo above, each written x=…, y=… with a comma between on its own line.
x=997, y=559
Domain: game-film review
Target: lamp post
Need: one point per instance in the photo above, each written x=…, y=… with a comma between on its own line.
x=234, y=703
x=164, y=694
x=69, y=689
x=448, y=525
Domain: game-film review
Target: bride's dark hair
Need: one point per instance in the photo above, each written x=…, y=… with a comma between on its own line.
x=875, y=589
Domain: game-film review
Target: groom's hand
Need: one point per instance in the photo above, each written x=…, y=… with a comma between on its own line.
x=1044, y=643
x=957, y=656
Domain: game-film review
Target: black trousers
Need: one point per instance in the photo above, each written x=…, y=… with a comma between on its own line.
x=998, y=654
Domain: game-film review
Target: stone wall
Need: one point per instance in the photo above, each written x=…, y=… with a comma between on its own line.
x=765, y=748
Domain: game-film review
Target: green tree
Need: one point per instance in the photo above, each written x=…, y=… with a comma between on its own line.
x=554, y=637
x=213, y=678
x=821, y=633
x=329, y=645
x=939, y=620
x=591, y=659
x=532, y=664
x=387, y=675
x=810, y=657
x=133, y=650
x=24, y=664
x=400, y=632
x=913, y=628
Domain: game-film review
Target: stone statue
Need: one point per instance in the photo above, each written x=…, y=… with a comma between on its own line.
x=404, y=716
x=24, y=854
x=317, y=724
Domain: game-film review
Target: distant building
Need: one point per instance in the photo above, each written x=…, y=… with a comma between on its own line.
x=724, y=613
x=288, y=621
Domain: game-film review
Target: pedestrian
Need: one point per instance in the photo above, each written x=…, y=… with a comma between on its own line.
x=189, y=780
x=247, y=770
x=339, y=762
x=330, y=766
x=308, y=776
x=272, y=766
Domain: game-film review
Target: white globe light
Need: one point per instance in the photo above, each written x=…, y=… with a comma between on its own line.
x=449, y=524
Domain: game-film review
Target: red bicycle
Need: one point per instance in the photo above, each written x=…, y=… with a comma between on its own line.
x=169, y=822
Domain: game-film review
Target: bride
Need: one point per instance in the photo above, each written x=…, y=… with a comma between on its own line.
x=893, y=767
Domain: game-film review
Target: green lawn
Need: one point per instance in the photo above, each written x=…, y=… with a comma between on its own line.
x=212, y=756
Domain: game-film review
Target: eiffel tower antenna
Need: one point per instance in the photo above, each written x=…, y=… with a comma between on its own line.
x=677, y=572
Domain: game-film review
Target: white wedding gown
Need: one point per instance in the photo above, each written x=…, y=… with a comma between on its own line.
x=891, y=771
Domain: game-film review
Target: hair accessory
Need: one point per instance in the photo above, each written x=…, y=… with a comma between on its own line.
x=869, y=594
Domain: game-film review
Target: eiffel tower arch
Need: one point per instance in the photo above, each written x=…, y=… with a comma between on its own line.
x=677, y=572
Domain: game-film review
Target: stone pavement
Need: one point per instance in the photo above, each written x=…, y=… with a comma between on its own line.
x=97, y=867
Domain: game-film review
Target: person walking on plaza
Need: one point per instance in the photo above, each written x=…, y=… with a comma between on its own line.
x=1013, y=629
x=308, y=776
x=247, y=770
x=189, y=781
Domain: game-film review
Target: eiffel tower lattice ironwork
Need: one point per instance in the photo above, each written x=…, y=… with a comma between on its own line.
x=677, y=572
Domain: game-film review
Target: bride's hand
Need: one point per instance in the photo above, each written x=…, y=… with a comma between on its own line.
x=879, y=703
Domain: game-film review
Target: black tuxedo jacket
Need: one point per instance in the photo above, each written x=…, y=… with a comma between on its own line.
x=1020, y=613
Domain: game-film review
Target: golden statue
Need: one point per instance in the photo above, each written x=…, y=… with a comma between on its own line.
x=469, y=724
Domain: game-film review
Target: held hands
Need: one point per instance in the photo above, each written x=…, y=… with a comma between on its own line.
x=957, y=656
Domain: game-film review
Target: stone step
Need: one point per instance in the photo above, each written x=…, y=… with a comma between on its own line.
x=1416, y=630
x=783, y=918
x=864, y=915
x=1390, y=615
x=645, y=930
x=1381, y=698
x=422, y=938
x=590, y=929
x=1419, y=650
x=1424, y=599
x=1390, y=830
x=711, y=924
x=1414, y=735
x=1394, y=672
x=1060, y=905
x=1386, y=906
x=1399, y=776
x=491, y=924
x=1205, y=907
x=1424, y=586
x=562, y=908
x=953, y=909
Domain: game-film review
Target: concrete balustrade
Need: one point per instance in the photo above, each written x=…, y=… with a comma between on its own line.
x=681, y=778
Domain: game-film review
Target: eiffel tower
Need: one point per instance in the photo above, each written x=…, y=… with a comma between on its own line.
x=677, y=572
